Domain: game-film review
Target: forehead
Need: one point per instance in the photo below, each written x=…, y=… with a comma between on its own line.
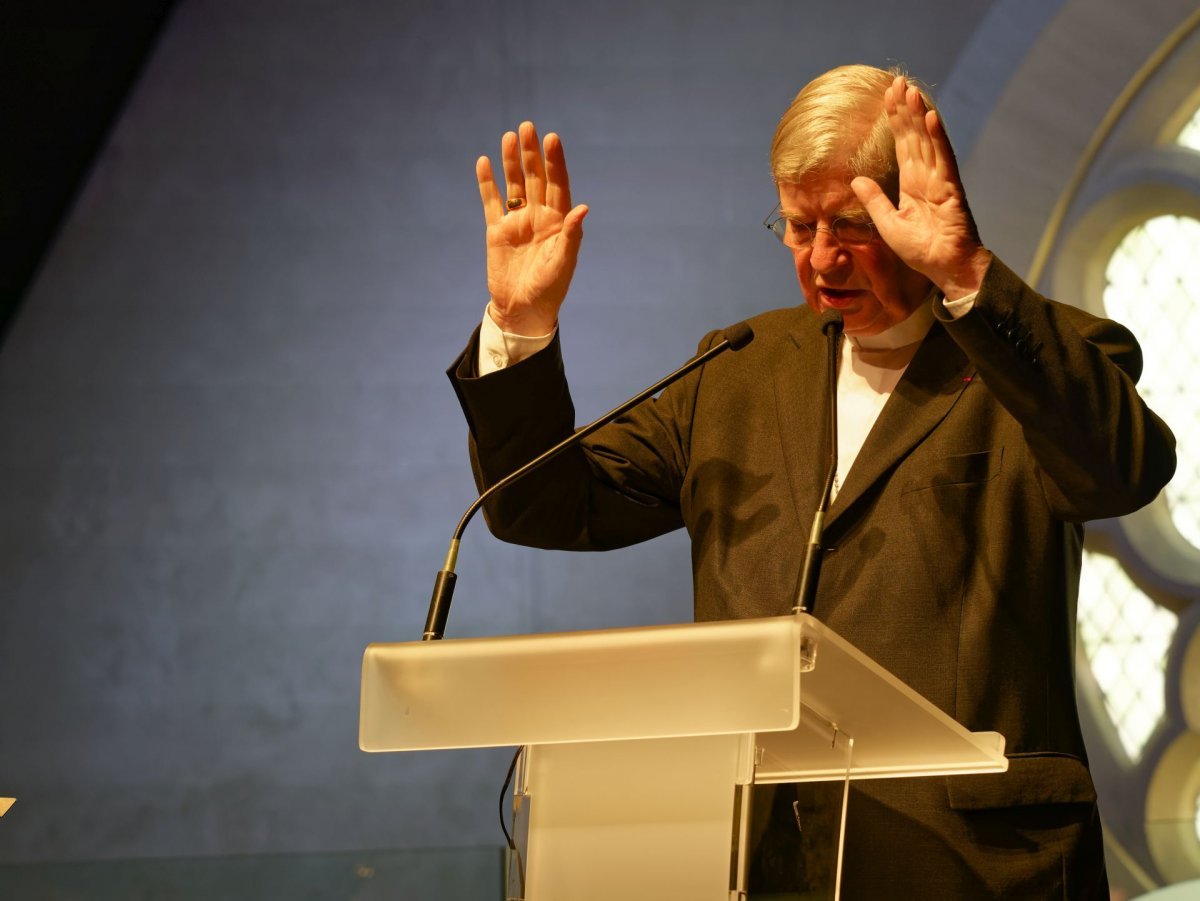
x=819, y=194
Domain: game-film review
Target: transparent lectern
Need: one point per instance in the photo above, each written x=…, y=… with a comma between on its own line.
x=643, y=743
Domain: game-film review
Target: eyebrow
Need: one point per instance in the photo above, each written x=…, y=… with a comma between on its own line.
x=859, y=213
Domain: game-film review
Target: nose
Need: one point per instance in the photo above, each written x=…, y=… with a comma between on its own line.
x=826, y=254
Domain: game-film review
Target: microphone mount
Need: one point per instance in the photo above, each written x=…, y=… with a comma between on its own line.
x=831, y=325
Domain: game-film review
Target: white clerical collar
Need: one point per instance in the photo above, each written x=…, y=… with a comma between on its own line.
x=909, y=331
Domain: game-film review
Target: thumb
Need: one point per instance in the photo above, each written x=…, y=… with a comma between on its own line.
x=572, y=230
x=871, y=196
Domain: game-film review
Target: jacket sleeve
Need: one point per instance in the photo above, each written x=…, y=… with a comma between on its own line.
x=1068, y=378
x=620, y=487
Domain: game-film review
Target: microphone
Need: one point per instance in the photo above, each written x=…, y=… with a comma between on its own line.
x=831, y=325
x=831, y=322
x=735, y=338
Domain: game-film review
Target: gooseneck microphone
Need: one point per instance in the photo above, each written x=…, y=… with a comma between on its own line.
x=831, y=325
x=735, y=338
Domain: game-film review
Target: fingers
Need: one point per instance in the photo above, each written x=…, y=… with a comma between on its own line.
x=906, y=116
x=914, y=106
x=531, y=159
x=919, y=133
x=493, y=206
x=946, y=160
x=558, y=185
x=510, y=158
x=526, y=175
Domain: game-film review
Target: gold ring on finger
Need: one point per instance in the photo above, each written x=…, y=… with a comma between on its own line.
x=515, y=203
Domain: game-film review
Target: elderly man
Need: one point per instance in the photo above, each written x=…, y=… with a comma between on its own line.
x=980, y=425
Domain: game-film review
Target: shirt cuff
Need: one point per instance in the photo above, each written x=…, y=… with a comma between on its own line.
x=956, y=308
x=498, y=349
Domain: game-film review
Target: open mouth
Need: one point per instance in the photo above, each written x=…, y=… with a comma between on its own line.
x=838, y=297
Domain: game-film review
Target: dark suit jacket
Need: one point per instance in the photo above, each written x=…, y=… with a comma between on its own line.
x=951, y=553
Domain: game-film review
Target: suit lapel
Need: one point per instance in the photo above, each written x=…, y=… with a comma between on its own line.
x=800, y=384
x=931, y=384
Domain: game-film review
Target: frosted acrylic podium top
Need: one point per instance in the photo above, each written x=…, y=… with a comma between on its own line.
x=721, y=678
x=655, y=682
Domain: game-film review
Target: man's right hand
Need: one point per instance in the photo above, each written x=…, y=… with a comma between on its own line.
x=531, y=250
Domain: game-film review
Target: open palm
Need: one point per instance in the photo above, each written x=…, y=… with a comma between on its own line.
x=531, y=249
x=930, y=227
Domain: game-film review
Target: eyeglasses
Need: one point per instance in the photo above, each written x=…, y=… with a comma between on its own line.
x=848, y=231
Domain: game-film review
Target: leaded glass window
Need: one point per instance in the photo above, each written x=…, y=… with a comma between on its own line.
x=1125, y=637
x=1153, y=286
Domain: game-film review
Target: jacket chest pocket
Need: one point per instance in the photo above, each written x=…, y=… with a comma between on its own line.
x=959, y=470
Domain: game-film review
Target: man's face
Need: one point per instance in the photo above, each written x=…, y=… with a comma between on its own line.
x=867, y=284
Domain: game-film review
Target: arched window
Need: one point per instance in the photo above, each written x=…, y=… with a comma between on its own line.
x=1131, y=251
x=1084, y=170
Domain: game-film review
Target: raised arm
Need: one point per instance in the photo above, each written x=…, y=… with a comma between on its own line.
x=1067, y=377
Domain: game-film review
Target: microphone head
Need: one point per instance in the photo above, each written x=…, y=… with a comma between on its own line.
x=739, y=335
x=831, y=322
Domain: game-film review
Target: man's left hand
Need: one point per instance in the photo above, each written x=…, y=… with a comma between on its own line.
x=930, y=227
